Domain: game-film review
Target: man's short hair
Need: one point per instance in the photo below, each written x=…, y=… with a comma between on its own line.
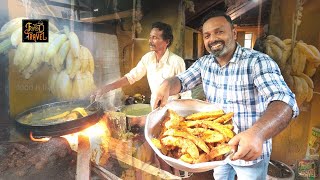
x=166, y=31
x=217, y=14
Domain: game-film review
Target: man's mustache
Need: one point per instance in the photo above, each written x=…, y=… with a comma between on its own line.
x=216, y=42
x=151, y=45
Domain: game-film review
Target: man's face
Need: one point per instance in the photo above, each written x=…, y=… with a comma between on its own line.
x=156, y=43
x=218, y=36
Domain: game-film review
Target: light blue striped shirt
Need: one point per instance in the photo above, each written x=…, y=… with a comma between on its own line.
x=245, y=86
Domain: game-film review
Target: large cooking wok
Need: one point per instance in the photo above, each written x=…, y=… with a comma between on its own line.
x=33, y=120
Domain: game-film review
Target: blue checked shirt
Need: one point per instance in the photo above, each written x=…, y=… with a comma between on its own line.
x=245, y=86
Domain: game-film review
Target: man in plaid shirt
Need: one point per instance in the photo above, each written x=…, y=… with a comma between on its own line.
x=243, y=81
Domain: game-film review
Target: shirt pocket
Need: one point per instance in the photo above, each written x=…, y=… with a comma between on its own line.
x=238, y=92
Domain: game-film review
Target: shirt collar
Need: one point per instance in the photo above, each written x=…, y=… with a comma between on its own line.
x=164, y=58
x=237, y=53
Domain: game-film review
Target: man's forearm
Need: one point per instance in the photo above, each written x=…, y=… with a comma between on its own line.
x=117, y=84
x=275, y=119
x=174, y=85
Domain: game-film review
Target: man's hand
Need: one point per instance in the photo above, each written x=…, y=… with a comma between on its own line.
x=247, y=145
x=100, y=92
x=162, y=95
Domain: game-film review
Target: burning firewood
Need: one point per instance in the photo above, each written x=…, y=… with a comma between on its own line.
x=31, y=160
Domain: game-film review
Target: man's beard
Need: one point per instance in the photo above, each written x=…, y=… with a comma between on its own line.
x=221, y=50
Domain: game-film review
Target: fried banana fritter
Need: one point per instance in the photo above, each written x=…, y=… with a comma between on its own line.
x=199, y=137
x=186, y=145
x=204, y=115
x=210, y=136
x=187, y=158
x=202, y=158
x=197, y=141
x=196, y=131
x=174, y=120
x=227, y=133
x=219, y=150
x=158, y=145
x=225, y=118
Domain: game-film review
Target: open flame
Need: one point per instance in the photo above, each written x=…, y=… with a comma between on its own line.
x=98, y=130
x=38, y=139
x=99, y=135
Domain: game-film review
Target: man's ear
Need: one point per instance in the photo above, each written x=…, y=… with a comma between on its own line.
x=235, y=34
x=168, y=42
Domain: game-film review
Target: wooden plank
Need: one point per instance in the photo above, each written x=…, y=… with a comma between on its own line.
x=122, y=14
x=104, y=172
x=134, y=162
x=243, y=8
x=201, y=8
x=83, y=158
x=122, y=151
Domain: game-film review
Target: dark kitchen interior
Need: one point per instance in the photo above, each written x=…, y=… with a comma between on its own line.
x=115, y=32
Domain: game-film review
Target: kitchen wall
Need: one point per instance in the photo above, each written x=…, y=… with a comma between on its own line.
x=24, y=93
x=193, y=44
x=290, y=145
x=256, y=32
x=99, y=39
x=4, y=103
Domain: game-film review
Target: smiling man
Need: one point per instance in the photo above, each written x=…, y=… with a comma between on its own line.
x=158, y=64
x=243, y=81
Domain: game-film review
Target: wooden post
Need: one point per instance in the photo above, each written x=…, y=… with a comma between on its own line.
x=83, y=158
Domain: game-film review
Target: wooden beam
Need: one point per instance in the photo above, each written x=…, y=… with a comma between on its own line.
x=243, y=8
x=203, y=9
x=122, y=14
x=104, y=173
x=134, y=162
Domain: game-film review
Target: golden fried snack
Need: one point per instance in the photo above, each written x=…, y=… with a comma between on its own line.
x=71, y=116
x=187, y=158
x=210, y=136
x=204, y=115
x=81, y=111
x=219, y=150
x=196, y=131
x=219, y=158
x=227, y=133
x=58, y=116
x=229, y=126
x=200, y=137
x=158, y=145
x=202, y=158
x=186, y=145
x=174, y=120
x=225, y=118
x=197, y=141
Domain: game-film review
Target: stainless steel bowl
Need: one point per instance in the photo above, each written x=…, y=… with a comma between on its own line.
x=136, y=114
